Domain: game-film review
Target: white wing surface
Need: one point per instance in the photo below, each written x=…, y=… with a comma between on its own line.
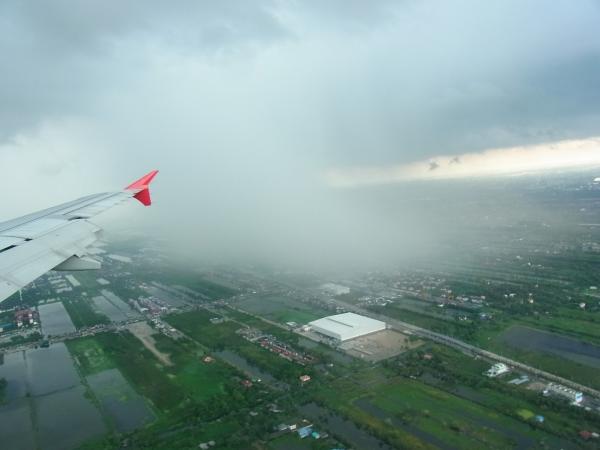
x=56, y=238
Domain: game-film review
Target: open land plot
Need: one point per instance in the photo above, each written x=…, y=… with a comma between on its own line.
x=381, y=345
x=145, y=333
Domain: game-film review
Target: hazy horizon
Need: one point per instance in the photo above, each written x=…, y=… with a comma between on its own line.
x=271, y=121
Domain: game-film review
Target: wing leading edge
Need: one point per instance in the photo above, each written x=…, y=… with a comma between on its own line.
x=57, y=238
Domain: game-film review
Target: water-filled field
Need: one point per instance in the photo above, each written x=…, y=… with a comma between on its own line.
x=55, y=319
x=126, y=408
x=46, y=403
x=530, y=339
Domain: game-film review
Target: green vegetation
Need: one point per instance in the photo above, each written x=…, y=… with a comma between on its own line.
x=223, y=335
x=190, y=395
x=450, y=326
x=197, y=325
x=128, y=354
x=461, y=375
x=90, y=355
x=82, y=314
x=457, y=422
x=585, y=326
x=226, y=433
x=415, y=402
x=19, y=339
x=525, y=414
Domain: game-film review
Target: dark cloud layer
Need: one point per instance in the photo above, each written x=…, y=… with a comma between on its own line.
x=245, y=104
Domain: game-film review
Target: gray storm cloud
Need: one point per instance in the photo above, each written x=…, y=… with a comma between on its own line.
x=244, y=105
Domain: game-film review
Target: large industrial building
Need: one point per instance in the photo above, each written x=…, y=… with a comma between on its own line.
x=343, y=327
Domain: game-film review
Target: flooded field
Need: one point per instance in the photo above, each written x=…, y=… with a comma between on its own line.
x=50, y=370
x=16, y=427
x=166, y=296
x=127, y=311
x=281, y=309
x=13, y=371
x=66, y=418
x=113, y=307
x=530, y=339
x=46, y=403
x=108, y=309
x=122, y=404
x=55, y=319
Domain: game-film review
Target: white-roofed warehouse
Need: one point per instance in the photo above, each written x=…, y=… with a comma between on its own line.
x=347, y=326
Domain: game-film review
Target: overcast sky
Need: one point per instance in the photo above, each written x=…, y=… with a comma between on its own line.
x=248, y=107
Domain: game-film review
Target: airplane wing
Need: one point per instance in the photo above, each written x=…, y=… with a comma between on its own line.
x=56, y=238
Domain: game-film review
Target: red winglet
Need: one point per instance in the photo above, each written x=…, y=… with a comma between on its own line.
x=143, y=185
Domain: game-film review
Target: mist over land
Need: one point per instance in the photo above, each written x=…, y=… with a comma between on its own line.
x=247, y=108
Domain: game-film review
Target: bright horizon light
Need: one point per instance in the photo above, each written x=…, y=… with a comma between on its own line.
x=493, y=162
